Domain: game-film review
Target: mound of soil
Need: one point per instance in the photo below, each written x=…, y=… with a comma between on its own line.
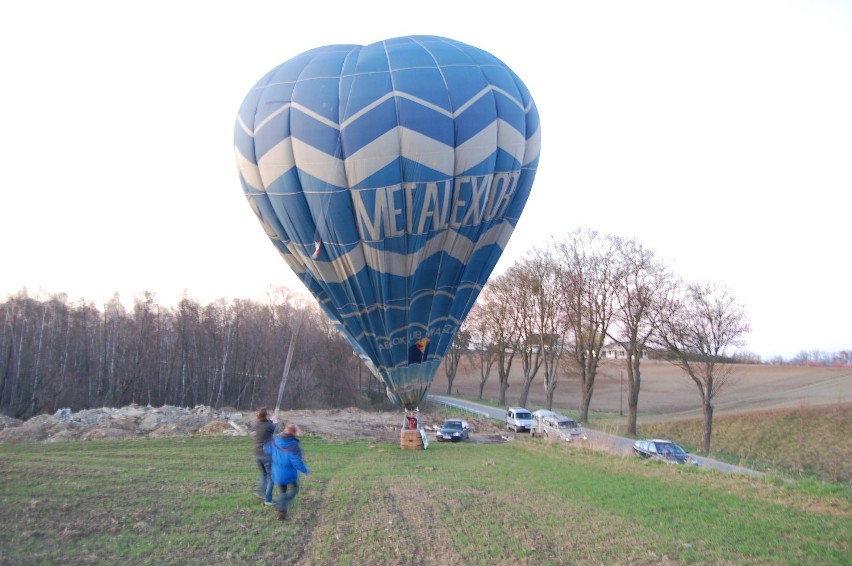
x=134, y=421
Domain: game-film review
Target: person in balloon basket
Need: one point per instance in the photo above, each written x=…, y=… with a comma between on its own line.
x=287, y=462
x=264, y=430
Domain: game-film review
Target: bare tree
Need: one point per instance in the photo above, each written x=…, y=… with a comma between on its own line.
x=143, y=348
x=696, y=332
x=116, y=342
x=644, y=288
x=499, y=314
x=21, y=315
x=252, y=342
x=36, y=387
x=550, y=322
x=522, y=281
x=286, y=315
x=188, y=322
x=459, y=345
x=325, y=376
x=588, y=272
x=482, y=338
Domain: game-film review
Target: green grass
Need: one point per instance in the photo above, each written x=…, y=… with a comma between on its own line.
x=189, y=500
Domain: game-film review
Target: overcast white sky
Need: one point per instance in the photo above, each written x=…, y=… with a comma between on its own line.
x=718, y=133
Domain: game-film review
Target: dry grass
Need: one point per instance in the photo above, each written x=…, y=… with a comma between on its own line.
x=803, y=441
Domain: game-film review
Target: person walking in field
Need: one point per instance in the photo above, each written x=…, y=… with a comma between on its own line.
x=287, y=462
x=264, y=430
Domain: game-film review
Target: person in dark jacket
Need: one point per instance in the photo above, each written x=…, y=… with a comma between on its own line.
x=264, y=430
x=286, y=464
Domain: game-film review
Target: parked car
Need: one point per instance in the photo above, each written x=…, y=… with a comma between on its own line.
x=663, y=450
x=537, y=426
x=453, y=430
x=564, y=428
x=518, y=419
x=548, y=423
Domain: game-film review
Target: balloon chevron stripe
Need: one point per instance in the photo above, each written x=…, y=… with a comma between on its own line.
x=390, y=178
x=411, y=144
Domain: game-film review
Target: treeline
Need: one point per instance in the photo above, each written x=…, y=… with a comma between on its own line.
x=56, y=354
x=843, y=358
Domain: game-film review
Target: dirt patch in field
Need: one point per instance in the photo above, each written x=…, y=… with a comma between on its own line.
x=385, y=425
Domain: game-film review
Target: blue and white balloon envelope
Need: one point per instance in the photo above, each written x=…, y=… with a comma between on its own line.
x=390, y=177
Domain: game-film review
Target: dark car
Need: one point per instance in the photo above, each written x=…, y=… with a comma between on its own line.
x=453, y=430
x=663, y=450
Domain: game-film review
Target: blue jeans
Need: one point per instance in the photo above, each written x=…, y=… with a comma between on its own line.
x=264, y=481
x=289, y=491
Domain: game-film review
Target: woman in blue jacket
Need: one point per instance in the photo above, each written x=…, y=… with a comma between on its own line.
x=286, y=464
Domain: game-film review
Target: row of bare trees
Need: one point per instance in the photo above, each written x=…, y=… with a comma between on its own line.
x=54, y=354
x=552, y=312
x=555, y=310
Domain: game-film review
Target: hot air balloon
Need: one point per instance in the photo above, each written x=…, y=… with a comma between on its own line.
x=390, y=177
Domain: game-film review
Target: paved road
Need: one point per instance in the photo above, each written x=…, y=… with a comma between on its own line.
x=617, y=445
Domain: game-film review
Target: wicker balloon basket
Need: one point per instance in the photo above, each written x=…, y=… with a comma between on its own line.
x=410, y=440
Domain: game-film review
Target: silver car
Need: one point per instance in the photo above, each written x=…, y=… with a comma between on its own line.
x=563, y=428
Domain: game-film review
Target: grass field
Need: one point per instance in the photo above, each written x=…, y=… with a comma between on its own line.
x=189, y=500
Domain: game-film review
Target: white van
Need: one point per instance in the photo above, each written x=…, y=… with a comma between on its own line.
x=518, y=419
